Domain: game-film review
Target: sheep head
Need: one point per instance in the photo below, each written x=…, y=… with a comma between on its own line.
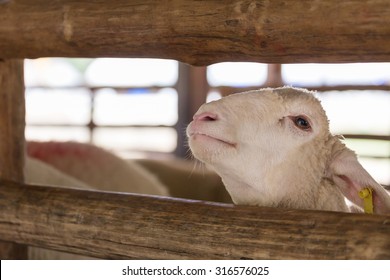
x=272, y=147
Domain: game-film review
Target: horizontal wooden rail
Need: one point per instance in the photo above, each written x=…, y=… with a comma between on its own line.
x=198, y=32
x=109, y=225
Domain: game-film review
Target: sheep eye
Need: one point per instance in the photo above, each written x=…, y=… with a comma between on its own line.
x=302, y=123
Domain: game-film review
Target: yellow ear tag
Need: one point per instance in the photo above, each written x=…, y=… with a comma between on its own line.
x=366, y=195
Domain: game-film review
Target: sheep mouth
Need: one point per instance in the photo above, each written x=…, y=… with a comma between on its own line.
x=212, y=138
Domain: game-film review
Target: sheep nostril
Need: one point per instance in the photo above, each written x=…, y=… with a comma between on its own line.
x=207, y=116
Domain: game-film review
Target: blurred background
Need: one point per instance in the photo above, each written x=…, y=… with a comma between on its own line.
x=139, y=108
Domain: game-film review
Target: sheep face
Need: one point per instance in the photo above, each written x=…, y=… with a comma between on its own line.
x=272, y=147
x=256, y=139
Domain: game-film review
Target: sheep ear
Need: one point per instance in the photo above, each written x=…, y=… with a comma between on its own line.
x=348, y=174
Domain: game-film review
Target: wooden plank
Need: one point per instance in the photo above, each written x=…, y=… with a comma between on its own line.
x=12, y=136
x=123, y=226
x=199, y=32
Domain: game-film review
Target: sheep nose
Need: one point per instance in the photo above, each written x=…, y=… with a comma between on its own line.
x=207, y=116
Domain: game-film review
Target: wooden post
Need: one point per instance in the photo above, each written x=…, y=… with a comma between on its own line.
x=192, y=91
x=274, y=77
x=12, y=125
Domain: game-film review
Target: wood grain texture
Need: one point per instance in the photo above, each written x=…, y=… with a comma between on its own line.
x=12, y=136
x=12, y=120
x=198, y=32
x=124, y=226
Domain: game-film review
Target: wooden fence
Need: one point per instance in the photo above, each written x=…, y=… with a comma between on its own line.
x=112, y=225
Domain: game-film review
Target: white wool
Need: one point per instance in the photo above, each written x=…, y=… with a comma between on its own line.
x=254, y=142
x=40, y=173
x=97, y=167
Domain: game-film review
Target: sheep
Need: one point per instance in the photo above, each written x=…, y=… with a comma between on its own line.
x=105, y=171
x=272, y=147
x=38, y=172
x=96, y=167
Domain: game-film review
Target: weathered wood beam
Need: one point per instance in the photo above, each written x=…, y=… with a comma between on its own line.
x=198, y=32
x=12, y=120
x=12, y=136
x=123, y=226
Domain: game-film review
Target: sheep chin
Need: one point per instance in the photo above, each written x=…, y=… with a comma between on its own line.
x=211, y=150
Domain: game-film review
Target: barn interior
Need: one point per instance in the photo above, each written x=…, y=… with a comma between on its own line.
x=128, y=76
